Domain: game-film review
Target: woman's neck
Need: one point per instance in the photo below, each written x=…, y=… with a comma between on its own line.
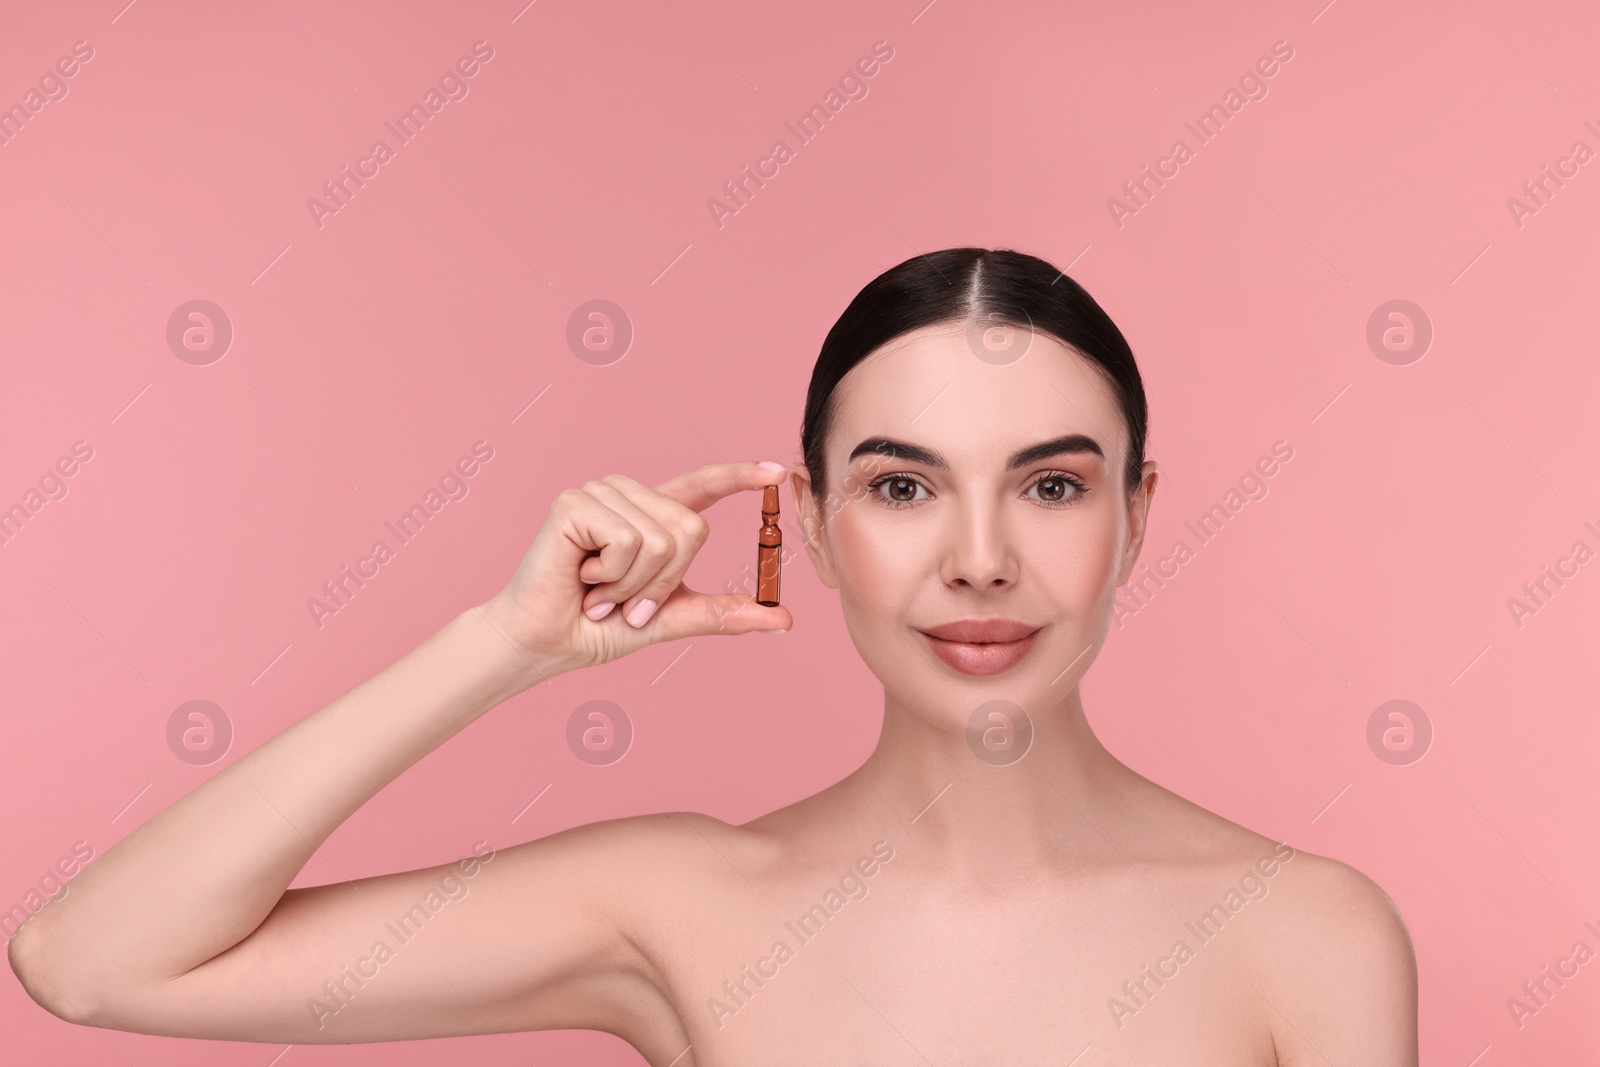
x=981, y=815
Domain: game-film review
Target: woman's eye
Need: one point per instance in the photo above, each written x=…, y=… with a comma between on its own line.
x=1058, y=489
x=897, y=490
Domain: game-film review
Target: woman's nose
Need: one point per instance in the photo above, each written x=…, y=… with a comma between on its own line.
x=979, y=552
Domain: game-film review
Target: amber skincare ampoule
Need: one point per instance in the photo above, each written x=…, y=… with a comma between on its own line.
x=768, y=546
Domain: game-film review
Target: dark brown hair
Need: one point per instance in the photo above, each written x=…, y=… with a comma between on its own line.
x=992, y=286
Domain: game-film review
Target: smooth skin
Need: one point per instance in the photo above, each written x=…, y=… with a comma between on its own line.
x=963, y=911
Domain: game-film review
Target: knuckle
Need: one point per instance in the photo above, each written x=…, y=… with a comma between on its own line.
x=658, y=546
x=696, y=528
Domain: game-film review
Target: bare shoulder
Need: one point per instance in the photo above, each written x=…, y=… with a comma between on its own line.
x=1321, y=943
x=1332, y=956
x=1316, y=896
x=1328, y=899
x=647, y=857
x=661, y=869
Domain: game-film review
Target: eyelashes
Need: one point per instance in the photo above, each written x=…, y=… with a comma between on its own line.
x=1079, y=489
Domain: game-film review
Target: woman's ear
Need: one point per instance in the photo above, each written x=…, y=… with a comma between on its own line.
x=1138, y=519
x=810, y=514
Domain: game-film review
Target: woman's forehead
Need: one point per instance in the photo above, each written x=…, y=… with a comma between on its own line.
x=932, y=387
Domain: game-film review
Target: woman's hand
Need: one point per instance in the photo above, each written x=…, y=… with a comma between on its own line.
x=619, y=543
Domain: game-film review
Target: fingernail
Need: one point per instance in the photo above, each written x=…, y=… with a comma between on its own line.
x=601, y=610
x=774, y=631
x=769, y=465
x=641, y=612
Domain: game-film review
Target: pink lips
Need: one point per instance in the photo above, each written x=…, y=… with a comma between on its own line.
x=982, y=646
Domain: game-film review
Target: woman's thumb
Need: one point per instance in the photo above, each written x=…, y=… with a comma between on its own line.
x=692, y=614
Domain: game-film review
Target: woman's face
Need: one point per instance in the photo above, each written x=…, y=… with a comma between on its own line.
x=942, y=507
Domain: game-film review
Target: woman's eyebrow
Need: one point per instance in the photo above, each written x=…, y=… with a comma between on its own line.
x=1069, y=444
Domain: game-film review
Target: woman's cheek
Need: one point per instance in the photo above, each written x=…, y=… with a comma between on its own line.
x=874, y=557
x=1096, y=587
x=1095, y=580
x=878, y=571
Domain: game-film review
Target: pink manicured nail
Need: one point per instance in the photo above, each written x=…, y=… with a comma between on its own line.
x=600, y=610
x=769, y=465
x=641, y=612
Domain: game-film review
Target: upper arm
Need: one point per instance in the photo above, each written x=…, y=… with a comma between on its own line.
x=1338, y=970
x=529, y=937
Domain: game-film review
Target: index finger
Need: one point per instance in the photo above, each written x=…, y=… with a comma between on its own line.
x=705, y=485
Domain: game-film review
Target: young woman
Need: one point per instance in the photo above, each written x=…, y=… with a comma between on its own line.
x=990, y=886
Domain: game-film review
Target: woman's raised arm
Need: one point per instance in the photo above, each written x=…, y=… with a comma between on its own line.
x=186, y=927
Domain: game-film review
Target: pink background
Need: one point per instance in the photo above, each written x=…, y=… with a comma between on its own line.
x=432, y=309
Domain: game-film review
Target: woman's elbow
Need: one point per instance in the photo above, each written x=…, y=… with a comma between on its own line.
x=52, y=987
